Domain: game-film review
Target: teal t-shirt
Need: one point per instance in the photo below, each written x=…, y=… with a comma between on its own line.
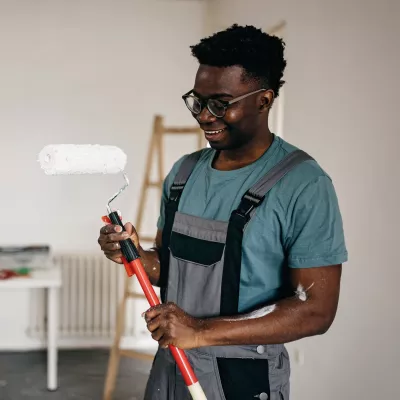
x=298, y=225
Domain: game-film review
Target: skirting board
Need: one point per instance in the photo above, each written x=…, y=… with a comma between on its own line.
x=148, y=346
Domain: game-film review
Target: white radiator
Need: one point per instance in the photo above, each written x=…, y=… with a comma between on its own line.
x=89, y=298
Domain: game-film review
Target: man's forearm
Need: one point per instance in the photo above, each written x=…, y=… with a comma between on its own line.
x=151, y=262
x=289, y=320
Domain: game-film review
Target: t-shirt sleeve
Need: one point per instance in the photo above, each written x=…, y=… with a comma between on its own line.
x=169, y=179
x=315, y=235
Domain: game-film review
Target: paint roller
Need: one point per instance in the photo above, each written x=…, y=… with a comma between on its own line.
x=69, y=159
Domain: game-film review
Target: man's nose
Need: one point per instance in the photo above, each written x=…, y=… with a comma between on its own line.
x=205, y=117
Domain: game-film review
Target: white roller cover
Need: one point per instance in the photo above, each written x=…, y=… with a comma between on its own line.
x=67, y=159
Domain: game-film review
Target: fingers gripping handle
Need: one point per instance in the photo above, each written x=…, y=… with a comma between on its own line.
x=133, y=265
x=127, y=246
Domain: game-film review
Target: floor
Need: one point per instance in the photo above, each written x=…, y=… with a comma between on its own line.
x=81, y=376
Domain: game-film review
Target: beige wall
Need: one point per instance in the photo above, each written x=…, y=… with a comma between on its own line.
x=86, y=72
x=89, y=71
x=341, y=105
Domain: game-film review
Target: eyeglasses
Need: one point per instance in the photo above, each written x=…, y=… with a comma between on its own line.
x=216, y=107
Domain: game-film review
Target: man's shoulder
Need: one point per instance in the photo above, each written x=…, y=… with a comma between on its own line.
x=303, y=174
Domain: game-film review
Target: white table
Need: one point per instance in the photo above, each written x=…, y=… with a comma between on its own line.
x=49, y=279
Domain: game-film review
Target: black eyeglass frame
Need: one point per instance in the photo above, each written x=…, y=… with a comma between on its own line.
x=226, y=103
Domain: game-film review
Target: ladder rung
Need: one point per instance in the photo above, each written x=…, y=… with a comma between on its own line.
x=147, y=239
x=154, y=184
x=180, y=131
x=135, y=354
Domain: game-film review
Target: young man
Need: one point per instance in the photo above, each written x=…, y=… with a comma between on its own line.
x=250, y=239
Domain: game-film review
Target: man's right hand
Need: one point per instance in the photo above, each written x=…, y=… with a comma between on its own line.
x=111, y=235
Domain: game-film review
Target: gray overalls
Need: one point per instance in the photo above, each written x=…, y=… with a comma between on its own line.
x=200, y=272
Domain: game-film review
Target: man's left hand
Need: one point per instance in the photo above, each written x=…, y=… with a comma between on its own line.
x=169, y=324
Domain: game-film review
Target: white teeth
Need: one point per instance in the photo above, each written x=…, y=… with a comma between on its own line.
x=213, y=132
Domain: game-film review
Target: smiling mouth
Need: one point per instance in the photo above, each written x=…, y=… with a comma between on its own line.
x=216, y=132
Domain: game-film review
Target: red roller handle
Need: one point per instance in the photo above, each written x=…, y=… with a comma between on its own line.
x=128, y=267
x=136, y=267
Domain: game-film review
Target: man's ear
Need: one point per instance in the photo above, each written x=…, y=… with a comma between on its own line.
x=267, y=100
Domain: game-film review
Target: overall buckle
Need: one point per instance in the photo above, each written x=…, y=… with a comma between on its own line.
x=175, y=192
x=248, y=203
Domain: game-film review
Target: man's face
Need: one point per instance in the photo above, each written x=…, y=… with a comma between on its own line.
x=242, y=119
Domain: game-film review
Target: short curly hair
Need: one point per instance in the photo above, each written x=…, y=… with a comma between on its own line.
x=260, y=55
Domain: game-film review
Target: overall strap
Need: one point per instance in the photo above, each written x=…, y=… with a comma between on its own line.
x=256, y=194
x=183, y=174
x=171, y=207
x=238, y=220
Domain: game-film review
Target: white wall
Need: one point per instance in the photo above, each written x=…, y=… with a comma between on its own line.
x=342, y=107
x=91, y=71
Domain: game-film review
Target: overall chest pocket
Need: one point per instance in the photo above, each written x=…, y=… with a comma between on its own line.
x=195, y=274
x=196, y=251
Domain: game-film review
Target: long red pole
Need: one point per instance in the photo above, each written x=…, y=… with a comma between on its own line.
x=136, y=267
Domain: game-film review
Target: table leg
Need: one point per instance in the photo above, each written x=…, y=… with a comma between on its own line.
x=52, y=328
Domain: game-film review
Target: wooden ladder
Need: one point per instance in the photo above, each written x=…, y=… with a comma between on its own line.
x=156, y=148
